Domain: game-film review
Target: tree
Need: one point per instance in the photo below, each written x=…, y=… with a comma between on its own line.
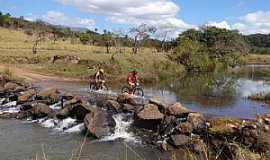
x=107, y=38
x=139, y=33
x=85, y=38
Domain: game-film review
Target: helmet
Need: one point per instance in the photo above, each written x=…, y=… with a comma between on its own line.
x=134, y=71
x=101, y=70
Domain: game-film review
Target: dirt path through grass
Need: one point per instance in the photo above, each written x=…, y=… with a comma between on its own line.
x=33, y=76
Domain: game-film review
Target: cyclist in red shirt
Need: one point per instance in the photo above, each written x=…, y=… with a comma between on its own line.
x=132, y=80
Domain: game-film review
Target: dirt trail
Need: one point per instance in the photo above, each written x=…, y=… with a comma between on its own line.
x=33, y=76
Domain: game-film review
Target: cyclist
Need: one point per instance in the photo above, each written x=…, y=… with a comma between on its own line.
x=132, y=80
x=100, y=77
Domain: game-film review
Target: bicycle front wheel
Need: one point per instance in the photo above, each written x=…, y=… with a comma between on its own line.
x=138, y=92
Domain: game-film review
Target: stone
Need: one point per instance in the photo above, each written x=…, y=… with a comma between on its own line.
x=149, y=117
x=3, y=81
x=159, y=103
x=129, y=108
x=26, y=96
x=10, y=86
x=177, y=110
x=40, y=110
x=198, y=122
x=150, y=112
x=50, y=93
x=99, y=123
x=185, y=128
x=225, y=126
x=179, y=140
x=112, y=105
x=126, y=98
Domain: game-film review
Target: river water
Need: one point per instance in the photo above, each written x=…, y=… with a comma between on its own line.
x=215, y=94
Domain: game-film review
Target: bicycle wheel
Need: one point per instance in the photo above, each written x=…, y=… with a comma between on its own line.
x=125, y=89
x=138, y=92
x=92, y=87
x=104, y=88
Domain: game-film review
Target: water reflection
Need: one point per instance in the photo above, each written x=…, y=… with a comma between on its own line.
x=219, y=94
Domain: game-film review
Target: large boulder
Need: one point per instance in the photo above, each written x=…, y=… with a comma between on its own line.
x=3, y=81
x=177, y=110
x=76, y=110
x=40, y=110
x=228, y=127
x=126, y=98
x=112, y=105
x=159, y=103
x=99, y=123
x=26, y=96
x=149, y=117
x=179, y=140
x=198, y=122
x=10, y=86
x=52, y=94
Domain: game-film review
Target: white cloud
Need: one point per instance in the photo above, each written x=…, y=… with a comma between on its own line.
x=223, y=24
x=256, y=22
x=160, y=13
x=59, y=18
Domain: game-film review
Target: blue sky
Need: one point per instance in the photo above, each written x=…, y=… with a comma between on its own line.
x=248, y=16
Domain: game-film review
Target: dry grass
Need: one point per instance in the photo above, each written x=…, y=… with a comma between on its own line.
x=16, y=49
x=257, y=59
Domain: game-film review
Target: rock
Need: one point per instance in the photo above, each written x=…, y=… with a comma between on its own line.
x=3, y=81
x=23, y=115
x=40, y=110
x=150, y=112
x=126, y=98
x=99, y=123
x=198, y=122
x=264, y=119
x=10, y=86
x=50, y=93
x=256, y=138
x=26, y=96
x=76, y=110
x=73, y=101
x=12, y=97
x=8, y=115
x=179, y=140
x=149, y=117
x=157, y=102
x=129, y=108
x=177, y=110
x=225, y=126
x=26, y=106
x=185, y=128
x=112, y=105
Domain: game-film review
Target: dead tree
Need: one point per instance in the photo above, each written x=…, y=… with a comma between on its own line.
x=139, y=33
x=40, y=37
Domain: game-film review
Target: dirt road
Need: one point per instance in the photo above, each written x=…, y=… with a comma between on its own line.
x=33, y=76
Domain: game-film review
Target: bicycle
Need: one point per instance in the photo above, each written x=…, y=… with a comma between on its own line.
x=136, y=90
x=95, y=86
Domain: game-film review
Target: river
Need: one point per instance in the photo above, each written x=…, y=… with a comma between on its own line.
x=223, y=94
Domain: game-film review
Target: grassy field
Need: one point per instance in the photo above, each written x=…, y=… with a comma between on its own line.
x=16, y=50
x=257, y=59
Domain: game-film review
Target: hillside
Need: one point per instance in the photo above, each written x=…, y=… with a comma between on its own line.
x=65, y=59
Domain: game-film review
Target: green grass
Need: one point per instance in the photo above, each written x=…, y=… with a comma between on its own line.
x=16, y=49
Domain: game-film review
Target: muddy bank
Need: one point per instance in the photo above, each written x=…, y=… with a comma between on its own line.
x=172, y=129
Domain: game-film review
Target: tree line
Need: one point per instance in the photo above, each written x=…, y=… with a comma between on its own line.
x=203, y=49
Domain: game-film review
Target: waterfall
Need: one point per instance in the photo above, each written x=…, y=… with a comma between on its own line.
x=121, y=129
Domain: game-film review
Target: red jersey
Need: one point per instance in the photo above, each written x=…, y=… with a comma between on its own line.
x=131, y=78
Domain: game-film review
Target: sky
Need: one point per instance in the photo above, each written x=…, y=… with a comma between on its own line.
x=175, y=16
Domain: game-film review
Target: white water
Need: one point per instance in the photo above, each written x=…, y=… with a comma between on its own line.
x=2, y=100
x=56, y=106
x=121, y=130
x=10, y=104
x=76, y=128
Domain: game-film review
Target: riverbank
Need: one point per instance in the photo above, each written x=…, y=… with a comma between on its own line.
x=172, y=128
